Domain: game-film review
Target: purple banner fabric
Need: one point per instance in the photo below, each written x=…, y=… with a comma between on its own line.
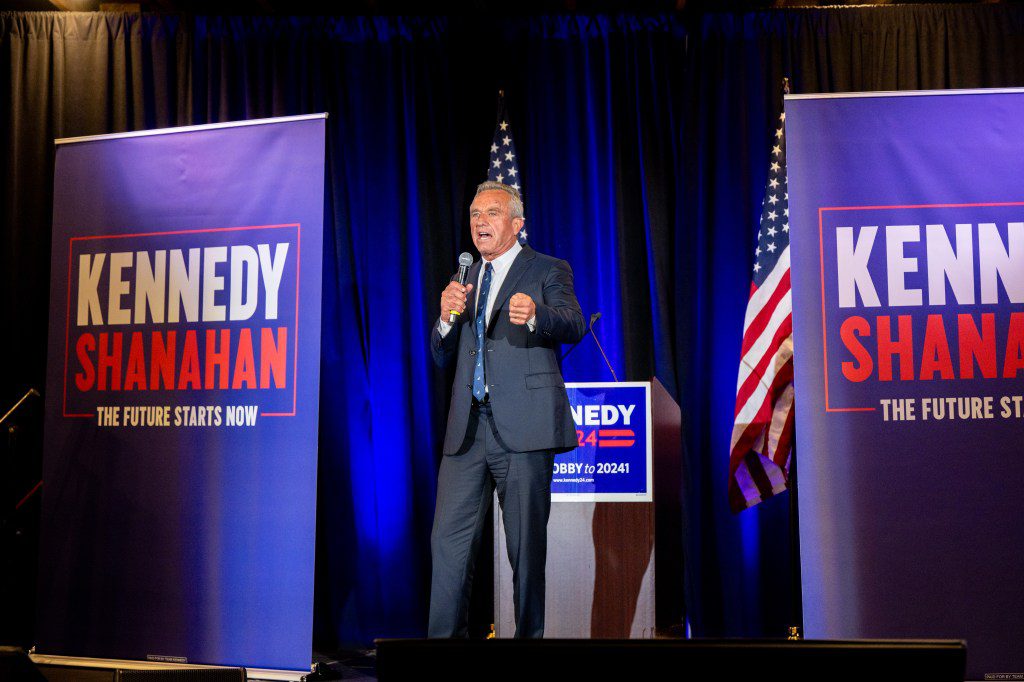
x=182, y=396
x=907, y=215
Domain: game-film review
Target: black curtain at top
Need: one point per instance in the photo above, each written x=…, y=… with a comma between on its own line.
x=645, y=144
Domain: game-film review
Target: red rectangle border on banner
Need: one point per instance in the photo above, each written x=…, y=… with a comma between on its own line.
x=821, y=256
x=298, y=270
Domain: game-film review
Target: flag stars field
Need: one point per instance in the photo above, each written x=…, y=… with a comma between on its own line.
x=503, y=166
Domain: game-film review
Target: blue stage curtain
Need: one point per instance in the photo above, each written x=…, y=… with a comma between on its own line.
x=644, y=146
x=391, y=214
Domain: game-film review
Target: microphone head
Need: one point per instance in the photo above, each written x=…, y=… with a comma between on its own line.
x=594, y=318
x=465, y=259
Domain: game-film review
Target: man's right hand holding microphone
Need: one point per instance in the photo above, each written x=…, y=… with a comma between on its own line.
x=453, y=300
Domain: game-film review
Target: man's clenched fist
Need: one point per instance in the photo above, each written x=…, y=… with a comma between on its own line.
x=521, y=308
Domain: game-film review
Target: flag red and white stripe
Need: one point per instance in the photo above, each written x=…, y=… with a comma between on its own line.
x=762, y=436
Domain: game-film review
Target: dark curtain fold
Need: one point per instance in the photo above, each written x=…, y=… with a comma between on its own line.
x=393, y=202
x=67, y=75
x=644, y=155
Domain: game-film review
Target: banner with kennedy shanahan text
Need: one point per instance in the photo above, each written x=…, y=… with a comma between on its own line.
x=907, y=237
x=182, y=394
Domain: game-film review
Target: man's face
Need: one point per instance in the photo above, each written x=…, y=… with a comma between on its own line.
x=494, y=230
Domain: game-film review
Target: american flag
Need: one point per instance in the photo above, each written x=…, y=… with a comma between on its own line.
x=762, y=434
x=504, y=164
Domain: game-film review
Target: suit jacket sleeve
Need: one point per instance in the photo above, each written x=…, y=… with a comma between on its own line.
x=559, y=317
x=443, y=347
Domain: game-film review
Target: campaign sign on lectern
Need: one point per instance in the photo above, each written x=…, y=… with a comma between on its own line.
x=601, y=546
x=612, y=462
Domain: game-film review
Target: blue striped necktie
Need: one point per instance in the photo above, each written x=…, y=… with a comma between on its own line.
x=481, y=326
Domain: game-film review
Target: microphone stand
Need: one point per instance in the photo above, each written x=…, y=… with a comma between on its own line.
x=590, y=332
x=593, y=318
x=12, y=430
x=8, y=521
x=28, y=394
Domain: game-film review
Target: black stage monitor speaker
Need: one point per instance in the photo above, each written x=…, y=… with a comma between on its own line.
x=676, y=660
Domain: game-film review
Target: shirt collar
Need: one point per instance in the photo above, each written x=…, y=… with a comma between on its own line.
x=503, y=262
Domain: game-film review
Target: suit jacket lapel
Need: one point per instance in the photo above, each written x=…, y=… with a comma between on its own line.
x=473, y=278
x=515, y=273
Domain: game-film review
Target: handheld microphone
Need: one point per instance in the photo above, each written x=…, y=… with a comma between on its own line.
x=465, y=260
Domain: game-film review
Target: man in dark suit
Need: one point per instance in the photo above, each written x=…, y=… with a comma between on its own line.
x=509, y=411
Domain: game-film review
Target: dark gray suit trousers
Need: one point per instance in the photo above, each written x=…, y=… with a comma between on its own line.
x=466, y=483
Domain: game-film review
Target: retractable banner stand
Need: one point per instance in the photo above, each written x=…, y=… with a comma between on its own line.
x=907, y=219
x=181, y=405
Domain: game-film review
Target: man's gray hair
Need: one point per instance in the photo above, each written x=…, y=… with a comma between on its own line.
x=515, y=204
